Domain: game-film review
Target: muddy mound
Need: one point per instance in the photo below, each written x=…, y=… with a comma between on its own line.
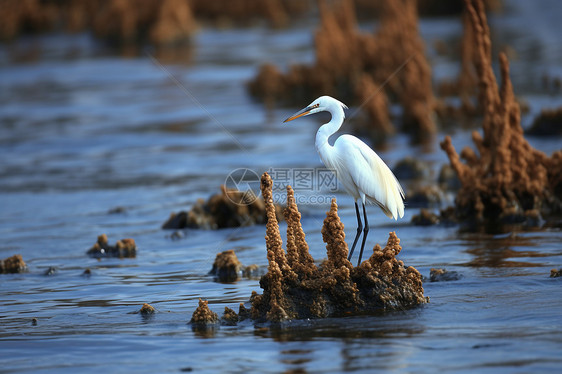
x=122, y=248
x=229, y=208
x=296, y=288
x=506, y=180
x=362, y=68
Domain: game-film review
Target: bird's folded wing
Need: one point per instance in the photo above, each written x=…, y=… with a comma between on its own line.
x=373, y=177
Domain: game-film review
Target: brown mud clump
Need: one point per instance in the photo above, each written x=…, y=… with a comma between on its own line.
x=410, y=168
x=448, y=179
x=362, y=68
x=443, y=275
x=122, y=249
x=295, y=288
x=425, y=218
x=229, y=208
x=251, y=271
x=507, y=180
x=229, y=318
x=147, y=310
x=425, y=196
x=226, y=267
x=14, y=264
x=203, y=315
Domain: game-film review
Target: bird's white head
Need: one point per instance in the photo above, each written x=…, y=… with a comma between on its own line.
x=323, y=103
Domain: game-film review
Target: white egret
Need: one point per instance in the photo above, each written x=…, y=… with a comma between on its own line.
x=358, y=168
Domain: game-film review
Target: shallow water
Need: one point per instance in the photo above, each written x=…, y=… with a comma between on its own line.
x=94, y=142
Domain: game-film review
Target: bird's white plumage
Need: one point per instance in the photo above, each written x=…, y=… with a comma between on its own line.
x=364, y=175
x=359, y=169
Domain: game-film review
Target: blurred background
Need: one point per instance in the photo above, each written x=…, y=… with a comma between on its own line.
x=116, y=113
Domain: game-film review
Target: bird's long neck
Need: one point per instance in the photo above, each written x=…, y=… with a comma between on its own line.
x=328, y=129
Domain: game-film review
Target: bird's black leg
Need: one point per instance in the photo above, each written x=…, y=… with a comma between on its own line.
x=365, y=232
x=359, y=228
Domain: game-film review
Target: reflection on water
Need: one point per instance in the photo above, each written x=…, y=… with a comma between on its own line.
x=95, y=142
x=506, y=250
x=394, y=325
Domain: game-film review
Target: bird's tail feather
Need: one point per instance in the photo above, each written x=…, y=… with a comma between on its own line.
x=383, y=208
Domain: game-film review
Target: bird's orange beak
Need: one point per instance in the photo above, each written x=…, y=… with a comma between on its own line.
x=300, y=113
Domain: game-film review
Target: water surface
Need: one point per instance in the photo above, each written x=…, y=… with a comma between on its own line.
x=95, y=142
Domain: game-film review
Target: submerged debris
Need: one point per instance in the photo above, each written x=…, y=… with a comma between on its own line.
x=51, y=270
x=123, y=248
x=14, y=264
x=203, y=315
x=251, y=271
x=392, y=57
x=547, y=123
x=425, y=218
x=230, y=208
x=508, y=181
x=448, y=179
x=243, y=312
x=226, y=267
x=425, y=196
x=411, y=168
x=147, y=310
x=443, y=275
x=229, y=318
x=295, y=288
